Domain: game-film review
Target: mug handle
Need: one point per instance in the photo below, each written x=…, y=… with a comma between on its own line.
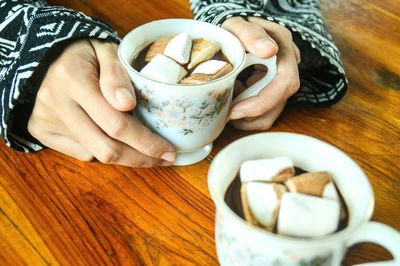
x=382, y=235
x=253, y=90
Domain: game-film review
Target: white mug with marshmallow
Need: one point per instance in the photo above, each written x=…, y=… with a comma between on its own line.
x=240, y=243
x=189, y=116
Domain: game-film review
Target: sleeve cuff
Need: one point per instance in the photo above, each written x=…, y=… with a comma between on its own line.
x=47, y=28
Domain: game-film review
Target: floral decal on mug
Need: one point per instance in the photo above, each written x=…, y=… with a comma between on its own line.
x=181, y=112
x=232, y=249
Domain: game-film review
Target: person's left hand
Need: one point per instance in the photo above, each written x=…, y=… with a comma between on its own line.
x=265, y=39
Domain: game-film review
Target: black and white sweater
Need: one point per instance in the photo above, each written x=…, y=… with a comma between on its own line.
x=28, y=29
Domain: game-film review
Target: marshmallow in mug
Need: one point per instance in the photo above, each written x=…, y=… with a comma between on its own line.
x=164, y=69
x=207, y=71
x=318, y=184
x=184, y=51
x=307, y=216
x=292, y=207
x=179, y=48
x=267, y=170
x=261, y=203
x=202, y=50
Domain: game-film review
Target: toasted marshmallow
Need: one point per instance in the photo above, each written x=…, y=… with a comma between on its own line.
x=163, y=69
x=157, y=47
x=203, y=49
x=307, y=216
x=316, y=184
x=268, y=170
x=211, y=67
x=196, y=79
x=208, y=71
x=261, y=202
x=179, y=47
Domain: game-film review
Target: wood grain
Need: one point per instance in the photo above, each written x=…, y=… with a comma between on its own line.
x=56, y=210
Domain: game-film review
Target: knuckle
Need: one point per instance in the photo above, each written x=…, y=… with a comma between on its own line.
x=87, y=157
x=33, y=129
x=260, y=108
x=114, y=74
x=293, y=86
x=286, y=33
x=250, y=30
x=109, y=45
x=266, y=124
x=106, y=154
x=115, y=68
x=44, y=94
x=117, y=126
x=150, y=163
x=61, y=68
x=152, y=148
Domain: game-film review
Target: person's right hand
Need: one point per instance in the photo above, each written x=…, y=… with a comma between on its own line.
x=82, y=108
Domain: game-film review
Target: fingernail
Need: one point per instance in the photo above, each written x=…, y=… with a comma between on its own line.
x=168, y=156
x=264, y=43
x=236, y=115
x=123, y=95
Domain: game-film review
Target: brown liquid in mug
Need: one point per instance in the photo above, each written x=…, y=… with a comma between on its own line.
x=139, y=62
x=232, y=199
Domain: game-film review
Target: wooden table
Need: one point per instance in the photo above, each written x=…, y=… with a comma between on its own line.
x=56, y=210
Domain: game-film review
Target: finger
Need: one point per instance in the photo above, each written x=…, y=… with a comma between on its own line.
x=119, y=125
x=103, y=148
x=275, y=31
x=41, y=130
x=268, y=99
x=297, y=53
x=67, y=146
x=264, y=122
x=115, y=83
x=285, y=84
x=253, y=37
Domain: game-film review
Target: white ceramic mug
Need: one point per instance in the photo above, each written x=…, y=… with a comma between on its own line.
x=189, y=116
x=239, y=243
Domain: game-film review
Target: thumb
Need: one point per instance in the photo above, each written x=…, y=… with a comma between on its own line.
x=253, y=37
x=114, y=81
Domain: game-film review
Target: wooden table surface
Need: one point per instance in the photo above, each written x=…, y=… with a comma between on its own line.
x=56, y=210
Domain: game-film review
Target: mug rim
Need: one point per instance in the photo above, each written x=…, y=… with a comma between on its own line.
x=220, y=204
x=128, y=66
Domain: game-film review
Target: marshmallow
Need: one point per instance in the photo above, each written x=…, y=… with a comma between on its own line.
x=179, y=47
x=157, y=47
x=203, y=49
x=260, y=203
x=316, y=184
x=210, y=67
x=163, y=69
x=208, y=71
x=268, y=170
x=307, y=216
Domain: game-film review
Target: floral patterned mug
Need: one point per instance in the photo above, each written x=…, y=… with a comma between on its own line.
x=189, y=116
x=242, y=244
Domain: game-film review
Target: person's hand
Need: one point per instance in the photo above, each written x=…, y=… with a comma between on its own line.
x=82, y=108
x=265, y=39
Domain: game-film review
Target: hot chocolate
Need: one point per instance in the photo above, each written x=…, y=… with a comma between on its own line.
x=294, y=187
x=179, y=59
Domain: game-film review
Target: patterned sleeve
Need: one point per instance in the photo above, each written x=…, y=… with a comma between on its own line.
x=322, y=78
x=28, y=29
